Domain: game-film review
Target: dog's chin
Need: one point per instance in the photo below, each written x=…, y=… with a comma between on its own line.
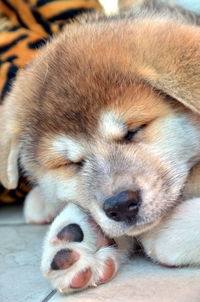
x=118, y=229
x=138, y=229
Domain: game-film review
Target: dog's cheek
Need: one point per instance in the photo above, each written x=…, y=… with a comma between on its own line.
x=47, y=184
x=159, y=185
x=60, y=186
x=160, y=198
x=68, y=190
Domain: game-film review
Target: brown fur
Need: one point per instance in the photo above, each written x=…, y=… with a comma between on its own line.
x=137, y=66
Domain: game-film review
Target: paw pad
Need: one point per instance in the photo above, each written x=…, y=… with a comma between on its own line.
x=64, y=259
x=81, y=279
x=109, y=271
x=72, y=233
x=77, y=253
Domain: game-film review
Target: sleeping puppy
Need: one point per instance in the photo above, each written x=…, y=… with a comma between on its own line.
x=105, y=123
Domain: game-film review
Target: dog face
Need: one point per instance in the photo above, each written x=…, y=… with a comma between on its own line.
x=133, y=143
x=91, y=131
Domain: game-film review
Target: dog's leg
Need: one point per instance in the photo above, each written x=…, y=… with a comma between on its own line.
x=37, y=210
x=77, y=254
x=176, y=241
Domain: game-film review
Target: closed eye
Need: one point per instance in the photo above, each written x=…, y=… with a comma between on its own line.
x=131, y=133
x=79, y=164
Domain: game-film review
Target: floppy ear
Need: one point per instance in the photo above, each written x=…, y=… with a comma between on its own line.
x=167, y=55
x=9, y=145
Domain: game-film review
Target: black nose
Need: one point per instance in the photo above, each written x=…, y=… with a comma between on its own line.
x=123, y=206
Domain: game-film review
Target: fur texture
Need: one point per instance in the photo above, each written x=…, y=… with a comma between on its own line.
x=70, y=114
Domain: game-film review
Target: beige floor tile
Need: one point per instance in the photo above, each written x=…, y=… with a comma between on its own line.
x=143, y=281
x=20, y=276
x=138, y=281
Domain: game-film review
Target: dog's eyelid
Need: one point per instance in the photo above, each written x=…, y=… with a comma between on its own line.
x=131, y=133
x=69, y=163
x=79, y=163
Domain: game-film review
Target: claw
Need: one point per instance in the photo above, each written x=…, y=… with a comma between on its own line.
x=61, y=290
x=54, y=240
x=47, y=273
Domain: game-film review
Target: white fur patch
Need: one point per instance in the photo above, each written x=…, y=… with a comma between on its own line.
x=181, y=232
x=69, y=147
x=111, y=126
x=38, y=210
x=12, y=168
x=183, y=138
x=55, y=188
x=110, y=7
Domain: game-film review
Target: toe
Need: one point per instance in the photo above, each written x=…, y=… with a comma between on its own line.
x=109, y=271
x=81, y=279
x=64, y=259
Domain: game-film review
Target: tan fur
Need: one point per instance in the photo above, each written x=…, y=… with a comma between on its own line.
x=137, y=65
x=192, y=186
x=67, y=122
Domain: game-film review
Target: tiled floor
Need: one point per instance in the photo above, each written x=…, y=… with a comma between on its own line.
x=20, y=249
x=138, y=281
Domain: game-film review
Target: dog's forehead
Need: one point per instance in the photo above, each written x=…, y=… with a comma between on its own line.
x=74, y=148
x=110, y=126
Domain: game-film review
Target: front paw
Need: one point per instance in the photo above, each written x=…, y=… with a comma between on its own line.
x=77, y=254
x=176, y=240
x=37, y=210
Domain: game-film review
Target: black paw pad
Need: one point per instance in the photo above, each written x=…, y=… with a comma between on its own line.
x=72, y=232
x=64, y=259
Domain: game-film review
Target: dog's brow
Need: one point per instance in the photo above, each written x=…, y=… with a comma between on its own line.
x=68, y=147
x=111, y=125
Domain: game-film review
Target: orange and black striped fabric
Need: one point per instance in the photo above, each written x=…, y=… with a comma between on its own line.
x=25, y=25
